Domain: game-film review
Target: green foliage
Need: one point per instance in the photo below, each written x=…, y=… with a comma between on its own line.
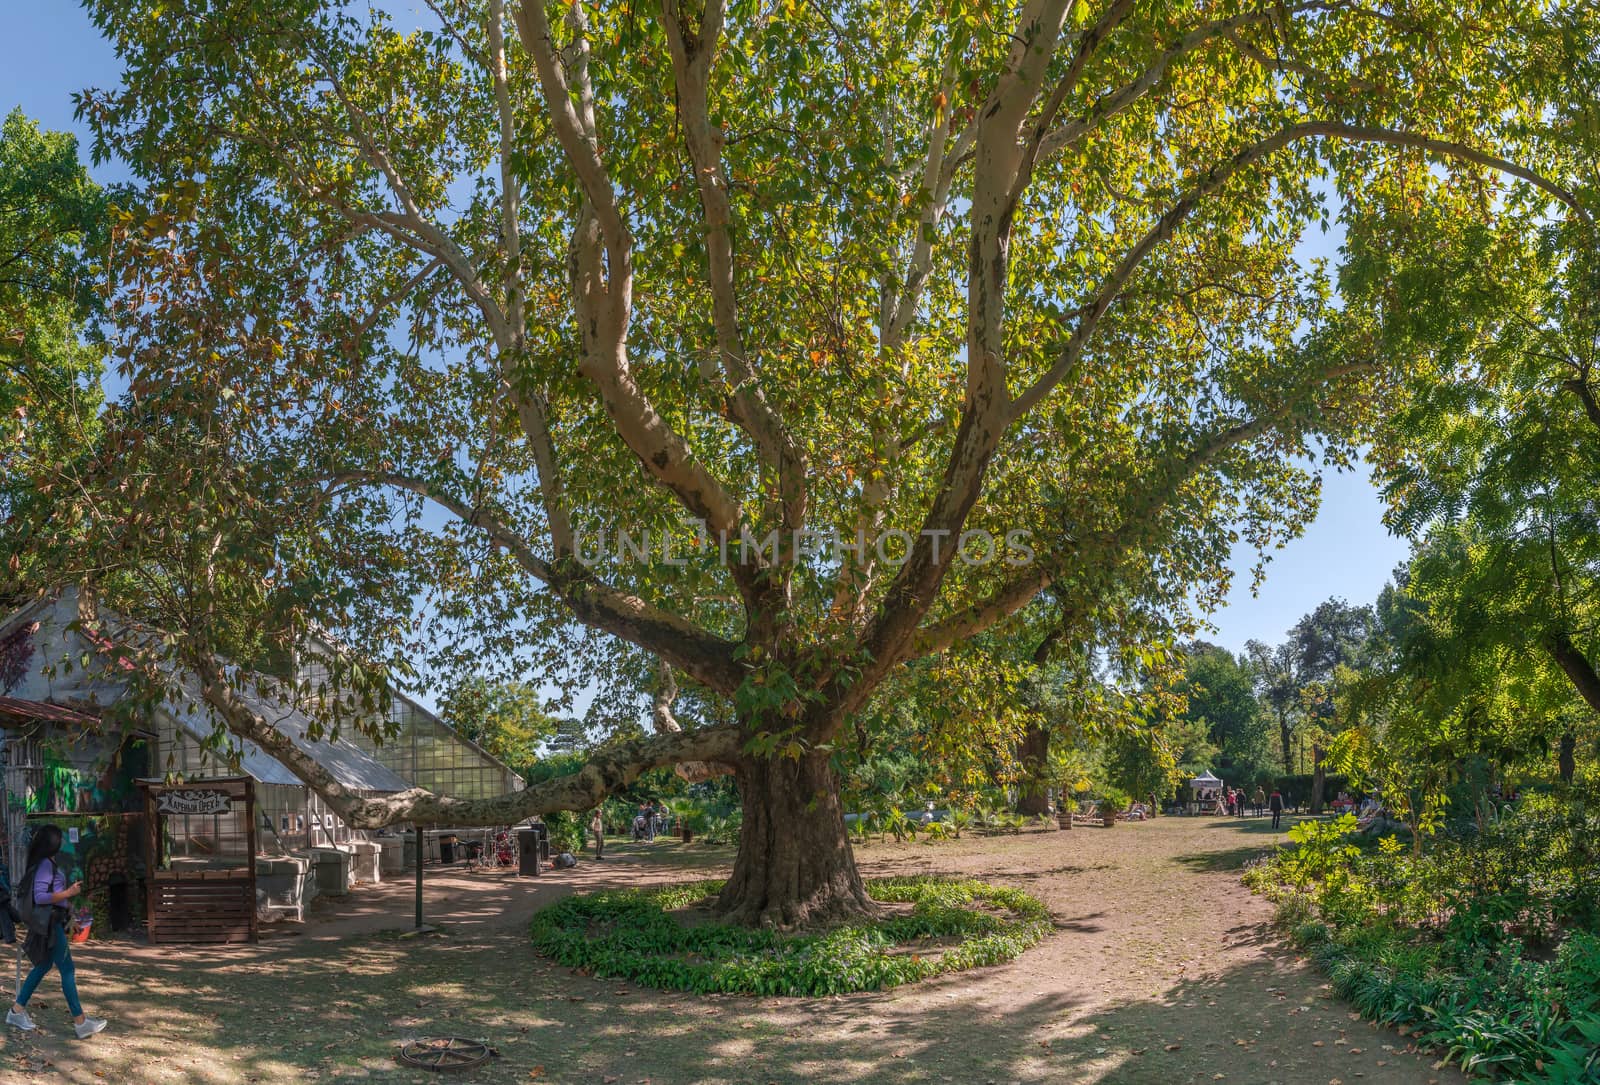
x=1321, y=849
x=53, y=231
x=630, y=934
x=567, y=831
x=505, y=718
x=723, y=828
x=1457, y=943
x=1114, y=798
x=1139, y=762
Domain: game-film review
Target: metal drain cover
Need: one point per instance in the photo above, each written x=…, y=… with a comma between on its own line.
x=443, y=1053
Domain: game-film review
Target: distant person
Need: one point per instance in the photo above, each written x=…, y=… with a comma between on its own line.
x=1275, y=804
x=1259, y=800
x=597, y=826
x=46, y=943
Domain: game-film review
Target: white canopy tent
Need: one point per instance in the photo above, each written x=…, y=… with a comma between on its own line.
x=1205, y=793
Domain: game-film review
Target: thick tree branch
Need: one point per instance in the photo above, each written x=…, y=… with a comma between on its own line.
x=706, y=658
x=936, y=182
x=1591, y=405
x=693, y=52
x=602, y=277
x=581, y=145
x=1577, y=668
x=607, y=771
x=510, y=187
x=665, y=723
x=984, y=412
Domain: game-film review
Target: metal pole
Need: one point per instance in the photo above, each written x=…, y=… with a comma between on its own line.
x=419, y=877
x=10, y=856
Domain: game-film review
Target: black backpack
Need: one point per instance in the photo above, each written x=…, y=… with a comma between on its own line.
x=36, y=917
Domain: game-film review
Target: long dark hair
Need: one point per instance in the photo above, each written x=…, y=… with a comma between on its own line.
x=46, y=844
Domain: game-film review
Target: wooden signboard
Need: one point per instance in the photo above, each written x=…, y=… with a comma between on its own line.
x=213, y=900
x=194, y=801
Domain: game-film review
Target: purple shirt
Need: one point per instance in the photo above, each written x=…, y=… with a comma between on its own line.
x=47, y=883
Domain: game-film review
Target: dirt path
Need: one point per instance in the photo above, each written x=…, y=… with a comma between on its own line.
x=1163, y=970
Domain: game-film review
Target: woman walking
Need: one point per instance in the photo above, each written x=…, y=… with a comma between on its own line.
x=1275, y=804
x=47, y=933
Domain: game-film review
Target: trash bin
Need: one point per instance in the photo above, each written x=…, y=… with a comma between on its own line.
x=447, y=848
x=533, y=848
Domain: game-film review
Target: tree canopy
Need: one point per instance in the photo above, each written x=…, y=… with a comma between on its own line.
x=53, y=231
x=882, y=319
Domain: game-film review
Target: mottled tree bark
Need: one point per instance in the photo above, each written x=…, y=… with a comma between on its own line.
x=794, y=867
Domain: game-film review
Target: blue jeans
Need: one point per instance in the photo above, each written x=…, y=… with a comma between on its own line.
x=61, y=957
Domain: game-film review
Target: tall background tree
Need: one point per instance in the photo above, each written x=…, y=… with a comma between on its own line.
x=416, y=312
x=53, y=233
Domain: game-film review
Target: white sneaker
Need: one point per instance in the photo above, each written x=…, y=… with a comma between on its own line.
x=20, y=1019
x=90, y=1026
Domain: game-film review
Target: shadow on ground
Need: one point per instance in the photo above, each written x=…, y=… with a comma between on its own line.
x=1148, y=979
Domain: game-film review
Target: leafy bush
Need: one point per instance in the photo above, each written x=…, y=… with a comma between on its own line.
x=1457, y=943
x=723, y=828
x=566, y=831
x=1115, y=798
x=629, y=934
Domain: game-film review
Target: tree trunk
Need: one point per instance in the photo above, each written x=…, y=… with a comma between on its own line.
x=1567, y=759
x=1283, y=736
x=794, y=867
x=1033, y=754
x=1585, y=679
x=1319, y=779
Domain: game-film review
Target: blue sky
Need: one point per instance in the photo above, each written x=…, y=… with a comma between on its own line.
x=54, y=50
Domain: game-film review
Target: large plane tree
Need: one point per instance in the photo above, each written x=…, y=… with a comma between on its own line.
x=1007, y=296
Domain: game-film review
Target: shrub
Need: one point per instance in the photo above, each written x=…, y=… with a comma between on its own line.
x=1455, y=943
x=629, y=934
x=566, y=831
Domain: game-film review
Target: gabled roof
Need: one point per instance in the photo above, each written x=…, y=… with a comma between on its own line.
x=518, y=783
x=348, y=763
